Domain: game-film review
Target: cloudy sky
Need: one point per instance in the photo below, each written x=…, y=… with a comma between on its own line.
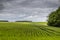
x=34, y=10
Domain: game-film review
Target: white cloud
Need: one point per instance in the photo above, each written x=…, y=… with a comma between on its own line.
x=35, y=10
x=33, y=14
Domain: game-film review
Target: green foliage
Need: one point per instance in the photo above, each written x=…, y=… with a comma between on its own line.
x=54, y=18
x=23, y=21
x=3, y=20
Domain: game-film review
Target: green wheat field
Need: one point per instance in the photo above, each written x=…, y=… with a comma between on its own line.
x=28, y=31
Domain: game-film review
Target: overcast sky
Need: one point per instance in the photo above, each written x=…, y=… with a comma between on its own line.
x=34, y=10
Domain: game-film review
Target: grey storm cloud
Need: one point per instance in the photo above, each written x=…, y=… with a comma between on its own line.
x=32, y=3
x=40, y=3
x=1, y=6
x=27, y=9
x=1, y=3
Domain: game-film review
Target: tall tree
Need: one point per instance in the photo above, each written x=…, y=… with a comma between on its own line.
x=54, y=18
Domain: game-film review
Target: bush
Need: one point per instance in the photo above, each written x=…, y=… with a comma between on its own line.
x=54, y=18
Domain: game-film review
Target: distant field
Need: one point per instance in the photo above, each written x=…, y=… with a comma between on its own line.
x=28, y=31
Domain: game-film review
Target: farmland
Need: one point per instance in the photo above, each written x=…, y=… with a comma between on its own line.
x=28, y=31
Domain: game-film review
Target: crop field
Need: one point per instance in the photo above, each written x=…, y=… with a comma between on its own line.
x=28, y=31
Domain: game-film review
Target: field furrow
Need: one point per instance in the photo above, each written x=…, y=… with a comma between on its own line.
x=28, y=31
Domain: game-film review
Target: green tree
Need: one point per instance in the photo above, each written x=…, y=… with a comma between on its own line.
x=54, y=18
